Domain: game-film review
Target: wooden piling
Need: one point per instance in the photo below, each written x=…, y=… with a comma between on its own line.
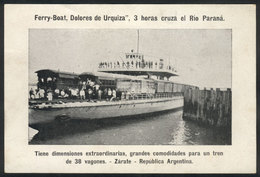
x=211, y=107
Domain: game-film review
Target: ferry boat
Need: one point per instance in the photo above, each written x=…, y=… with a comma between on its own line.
x=141, y=86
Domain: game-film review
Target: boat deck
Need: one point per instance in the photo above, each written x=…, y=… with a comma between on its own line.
x=41, y=104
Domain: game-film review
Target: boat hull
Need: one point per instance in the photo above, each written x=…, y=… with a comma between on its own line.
x=102, y=110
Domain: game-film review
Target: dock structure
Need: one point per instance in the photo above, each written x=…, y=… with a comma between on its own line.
x=208, y=106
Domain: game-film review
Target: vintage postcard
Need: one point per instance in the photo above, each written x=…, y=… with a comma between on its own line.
x=130, y=89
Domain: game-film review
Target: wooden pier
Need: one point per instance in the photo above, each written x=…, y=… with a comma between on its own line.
x=208, y=106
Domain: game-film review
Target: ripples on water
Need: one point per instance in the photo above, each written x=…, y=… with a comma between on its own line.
x=158, y=129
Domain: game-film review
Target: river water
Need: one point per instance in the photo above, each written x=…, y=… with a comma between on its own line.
x=157, y=129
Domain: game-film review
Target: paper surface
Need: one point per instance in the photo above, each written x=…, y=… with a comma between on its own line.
x=22, y=20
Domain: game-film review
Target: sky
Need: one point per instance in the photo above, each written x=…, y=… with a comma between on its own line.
x=201, y=57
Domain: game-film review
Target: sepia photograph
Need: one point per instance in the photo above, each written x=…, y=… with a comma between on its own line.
x=130, y=86
x=130, y=89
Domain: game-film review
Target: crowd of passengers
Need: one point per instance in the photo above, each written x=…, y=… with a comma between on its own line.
x=135, y=64
x=89, y=91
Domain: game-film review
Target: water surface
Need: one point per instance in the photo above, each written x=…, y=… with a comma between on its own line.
x=157, y=129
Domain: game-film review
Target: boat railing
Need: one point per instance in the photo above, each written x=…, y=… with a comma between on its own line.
x=154, y=96
x=143, y=96
x=134, y=66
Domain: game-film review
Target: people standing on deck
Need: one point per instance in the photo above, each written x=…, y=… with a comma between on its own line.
x=150, y=64
x=127, y=96
x=32, y=95
x=96, y=90
x=132, y=64
x=105, y=96
x=67, y=93
x=84, y=85
x=49, y=94
x=118, y=94
x=74, y=93
x=122, y=96
x=91, y=90
x=37, y=94
x=42, y=93
x=56, y=93
x=91, y=84
x=142, y=63
x=99, y=94
x=109, y=93
x=82, y=94
x=146, y=64
x=97, y=86
x=62, y=93
x=113, y=95
x=90, y=94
